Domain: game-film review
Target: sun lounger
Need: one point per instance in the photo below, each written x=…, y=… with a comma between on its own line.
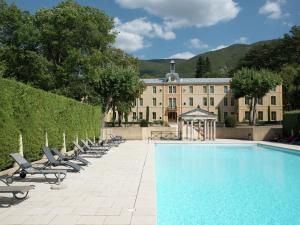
x=95, y=148
x=19, y=192
x=54, y=162
x=27, y=168
x=75, y=157
x=117, y=138
x=86, y=151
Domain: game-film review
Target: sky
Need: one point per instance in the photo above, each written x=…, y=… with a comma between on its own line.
x=155, y=29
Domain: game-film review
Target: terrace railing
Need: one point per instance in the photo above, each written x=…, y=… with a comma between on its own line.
x=165, y=135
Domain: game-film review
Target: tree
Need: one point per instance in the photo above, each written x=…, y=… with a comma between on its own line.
x=200, y=67
x=62, y=49
x=75, y=40
x=207, y=65
x=290, y=74
x=253, y=84
x=118, y=86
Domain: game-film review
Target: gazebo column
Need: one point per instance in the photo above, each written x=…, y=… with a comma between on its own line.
x=211, y=130
x=208, y=129
x=204, y=130
x=192, y=130
x=215, y=129
x=187, y=130
x=199, y=131
x=181, y=128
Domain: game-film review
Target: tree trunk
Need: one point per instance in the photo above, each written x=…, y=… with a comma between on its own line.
x=120, y=116
x=254, y=111
x=251, y=112
x=114, y=116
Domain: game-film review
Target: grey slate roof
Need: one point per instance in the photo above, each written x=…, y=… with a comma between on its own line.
x=189, y=81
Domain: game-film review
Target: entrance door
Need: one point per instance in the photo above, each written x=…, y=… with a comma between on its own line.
x=172, y=116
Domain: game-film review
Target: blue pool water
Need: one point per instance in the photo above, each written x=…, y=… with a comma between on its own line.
x=227, y=185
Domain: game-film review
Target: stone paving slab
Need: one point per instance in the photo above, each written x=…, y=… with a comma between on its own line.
x=116, y=189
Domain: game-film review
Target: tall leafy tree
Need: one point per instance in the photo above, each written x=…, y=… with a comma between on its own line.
x=19, y=42
x=75, y=40
x=200, y=67
x=119, y=86
x=253, y=84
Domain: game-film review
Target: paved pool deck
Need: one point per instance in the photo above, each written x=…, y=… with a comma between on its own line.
x=116, y=189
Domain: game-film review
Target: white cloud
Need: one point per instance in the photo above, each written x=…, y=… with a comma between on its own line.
x=272, y=9
x=179, y=13
x=242, y=40
x=219, y=47
x=182, y=55
x=196, y=43
x=131, y=35
x=289, y=24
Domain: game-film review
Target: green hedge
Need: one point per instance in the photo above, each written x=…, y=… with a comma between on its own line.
x=291, y=121
x=34, y=112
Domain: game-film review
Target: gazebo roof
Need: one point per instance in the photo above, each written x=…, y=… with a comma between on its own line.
x=198, y=114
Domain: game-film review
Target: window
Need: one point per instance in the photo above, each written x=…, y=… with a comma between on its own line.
x=172, y=103
x=205, y=101
x=204, y=89
x=134, y=115
x=172, y=89
x=140, y=115
x=225, y=101
x=154, y=101
x=154, y=89
x=191, y=101
x=273, y=89
x=141, y=102
x=247, y=100
x=260, y=115
x=191, y=89
x=273, y=116
x=247, y=115
x=211, y=89
x=232, y=101
x=259, y=101
x=212, y=101
x=232, y=113
x=226, y=90
x=154, y=115
x=225, y=115
x=134, y=103
x=273, y=100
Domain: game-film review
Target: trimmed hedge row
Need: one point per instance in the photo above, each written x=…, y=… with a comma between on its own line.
x=34, y=112
x=291, y=121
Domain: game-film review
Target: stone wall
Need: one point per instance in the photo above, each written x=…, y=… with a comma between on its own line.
x=258, y=133
x=134, y=133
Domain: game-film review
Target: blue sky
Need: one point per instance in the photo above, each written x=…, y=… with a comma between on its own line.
x=151, y=29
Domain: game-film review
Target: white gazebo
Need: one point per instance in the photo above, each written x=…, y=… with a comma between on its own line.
x=197, y=124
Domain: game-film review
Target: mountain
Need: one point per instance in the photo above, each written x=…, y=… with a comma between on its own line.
x=221, y=61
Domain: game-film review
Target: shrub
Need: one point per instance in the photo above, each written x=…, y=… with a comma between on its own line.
x=144, y=123
x=34, y=112
x=230, y=121
x=291, y=121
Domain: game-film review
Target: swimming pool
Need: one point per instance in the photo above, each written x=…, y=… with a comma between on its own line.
x=220, y=184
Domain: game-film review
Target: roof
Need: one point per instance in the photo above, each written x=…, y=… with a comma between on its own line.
x=189, y=81
x=198, y=114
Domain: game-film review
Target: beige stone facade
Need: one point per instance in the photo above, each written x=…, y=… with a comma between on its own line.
x=169, y=97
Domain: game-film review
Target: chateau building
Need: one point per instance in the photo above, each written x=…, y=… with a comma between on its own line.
x=172, y=96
